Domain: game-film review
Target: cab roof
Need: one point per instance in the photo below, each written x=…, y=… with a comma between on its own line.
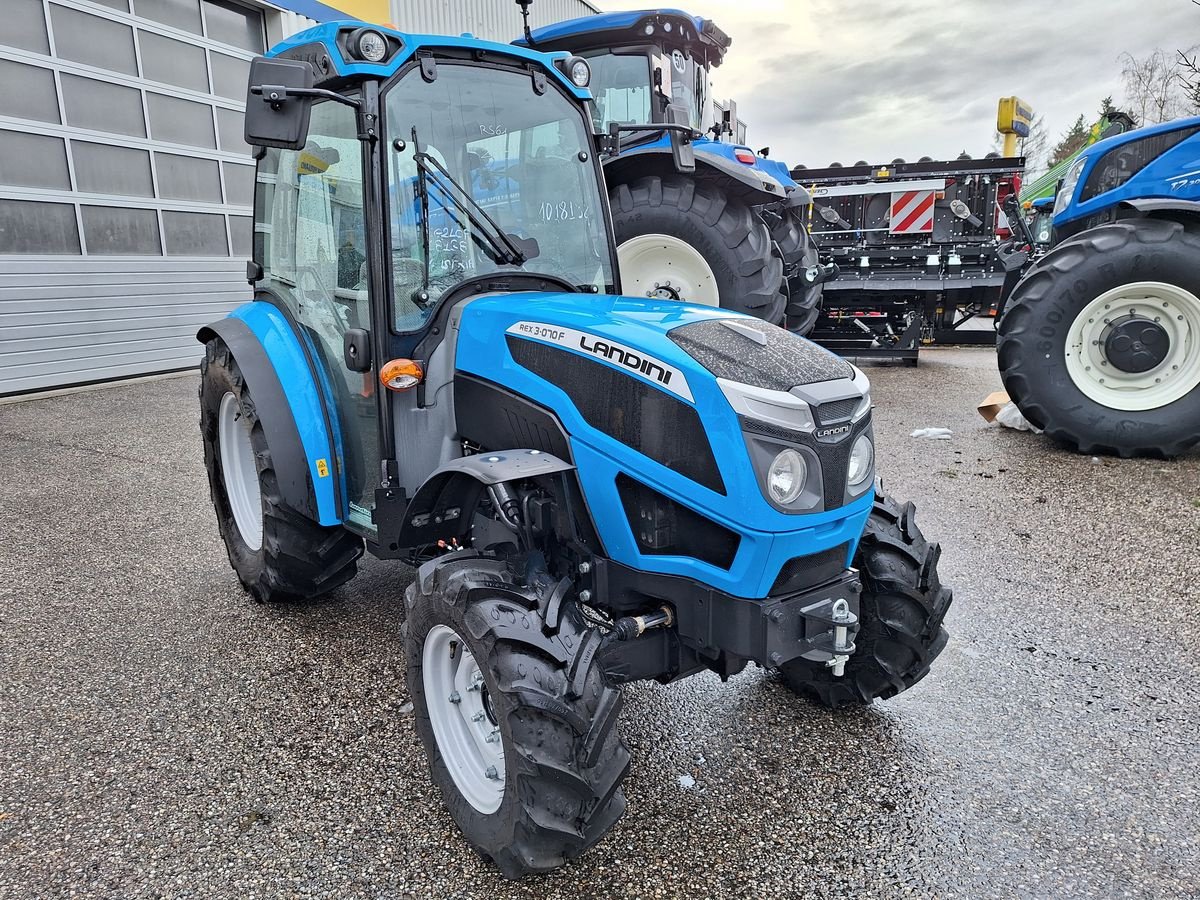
x=615, y=29
x=326, y=46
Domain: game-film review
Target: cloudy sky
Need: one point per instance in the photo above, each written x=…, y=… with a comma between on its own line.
x=825, y=80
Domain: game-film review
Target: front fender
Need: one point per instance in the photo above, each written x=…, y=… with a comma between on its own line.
x=289, y=405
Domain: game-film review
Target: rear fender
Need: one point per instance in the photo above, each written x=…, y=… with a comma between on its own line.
x=289, y=404
x=1165, y=207
x=751, y=184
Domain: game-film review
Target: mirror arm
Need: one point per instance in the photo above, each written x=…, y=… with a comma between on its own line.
x=613, y=142
x=277, y=94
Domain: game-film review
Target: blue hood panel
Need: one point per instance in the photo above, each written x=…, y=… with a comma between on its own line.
x=631, y=336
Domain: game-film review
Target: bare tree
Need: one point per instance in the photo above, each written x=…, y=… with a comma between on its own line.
x=1035, y=147
x=1190, y=76
x=1155, y=87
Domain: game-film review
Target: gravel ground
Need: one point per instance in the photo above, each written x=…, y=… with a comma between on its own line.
x=164, y=736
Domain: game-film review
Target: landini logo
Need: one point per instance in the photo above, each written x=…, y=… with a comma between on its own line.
x=636, y=362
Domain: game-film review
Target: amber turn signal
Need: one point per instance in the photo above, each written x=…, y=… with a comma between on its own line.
x=401, y=374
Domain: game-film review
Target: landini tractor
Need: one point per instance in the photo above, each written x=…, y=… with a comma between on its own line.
x=730, y=232
x=1099, y=342
x=438, y=366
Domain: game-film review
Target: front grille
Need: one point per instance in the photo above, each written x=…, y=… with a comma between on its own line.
x=662, y=527
x=835, y=412
x=802, y=572
x=628, y=410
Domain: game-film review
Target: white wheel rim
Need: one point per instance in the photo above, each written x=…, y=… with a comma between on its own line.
x=463, y=720
x=240, y=471
x=665, y=267
x=1175, y=310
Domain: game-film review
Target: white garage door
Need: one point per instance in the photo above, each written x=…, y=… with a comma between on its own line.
x=125, y=186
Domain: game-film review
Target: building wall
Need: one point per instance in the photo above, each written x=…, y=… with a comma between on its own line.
x=493, y=20
x=125, y=186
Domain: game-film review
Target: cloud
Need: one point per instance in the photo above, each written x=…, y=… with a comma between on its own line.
x=844, y=80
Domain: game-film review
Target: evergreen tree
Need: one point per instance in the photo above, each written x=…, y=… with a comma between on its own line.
x=1071, y=143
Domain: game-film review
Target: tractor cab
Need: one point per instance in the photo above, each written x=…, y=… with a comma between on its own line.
x=642, y=63
x=405, y=183
x=649, y=79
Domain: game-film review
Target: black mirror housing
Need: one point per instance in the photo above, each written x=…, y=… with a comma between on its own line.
x=682, y=151
x=275, y=117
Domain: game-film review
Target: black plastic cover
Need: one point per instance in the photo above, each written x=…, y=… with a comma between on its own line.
x=777, y=360
x=650, y=421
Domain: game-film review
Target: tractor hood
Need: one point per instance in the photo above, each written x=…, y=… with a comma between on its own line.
x=672, y=345
x=688, y=403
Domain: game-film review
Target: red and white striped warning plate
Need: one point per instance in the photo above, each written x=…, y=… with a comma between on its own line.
x=912, y=212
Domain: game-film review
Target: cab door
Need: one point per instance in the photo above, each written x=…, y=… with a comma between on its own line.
x=310, y=238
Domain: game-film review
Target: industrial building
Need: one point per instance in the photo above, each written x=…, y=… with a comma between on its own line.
x=125, y=185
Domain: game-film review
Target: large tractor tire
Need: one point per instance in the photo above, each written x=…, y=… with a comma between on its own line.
x=517, y=720
x=901, y=610
x=278, y=553
x=799, y=253
x=679, y=239
x=1099, y=345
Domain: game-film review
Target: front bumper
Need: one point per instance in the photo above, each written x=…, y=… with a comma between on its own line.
x=713, y=629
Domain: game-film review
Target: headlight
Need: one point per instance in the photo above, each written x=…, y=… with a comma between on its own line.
x=577, y=69
x=369, y=45
x=1066, y=192
x=863, y=407
x=862, y=457
x=786, y=477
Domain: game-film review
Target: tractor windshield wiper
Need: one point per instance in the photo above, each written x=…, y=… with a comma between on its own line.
x=504, y=250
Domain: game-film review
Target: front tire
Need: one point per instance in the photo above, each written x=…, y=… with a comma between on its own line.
x=1100, y=342
x=684, y=240
x=901, y=609
x=277, y=553
x=541, y=783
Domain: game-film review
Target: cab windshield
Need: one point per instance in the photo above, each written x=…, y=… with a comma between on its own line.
x=479, y=146
x=623, y=92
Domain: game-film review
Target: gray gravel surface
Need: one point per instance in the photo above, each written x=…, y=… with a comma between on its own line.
x=164, y=736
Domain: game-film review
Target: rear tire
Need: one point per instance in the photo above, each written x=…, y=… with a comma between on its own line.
x=292, y=557
x=558, y=779
x=902, y=606
x=1054, y=345
x=723, y=231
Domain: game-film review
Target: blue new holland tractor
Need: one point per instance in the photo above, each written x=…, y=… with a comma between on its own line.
x=729, y=232
x=438, y=367
x=1099, y=342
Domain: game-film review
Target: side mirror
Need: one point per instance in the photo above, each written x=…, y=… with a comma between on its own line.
x=682, y=150
x=277, y=103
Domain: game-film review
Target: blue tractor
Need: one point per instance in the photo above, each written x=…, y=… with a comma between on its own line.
x=438, y=367
x=729, y=231
x=1099, y=342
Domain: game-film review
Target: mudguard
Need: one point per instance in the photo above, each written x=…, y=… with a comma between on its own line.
x=1153, y=205
x=289, y=404
x=764, y=182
